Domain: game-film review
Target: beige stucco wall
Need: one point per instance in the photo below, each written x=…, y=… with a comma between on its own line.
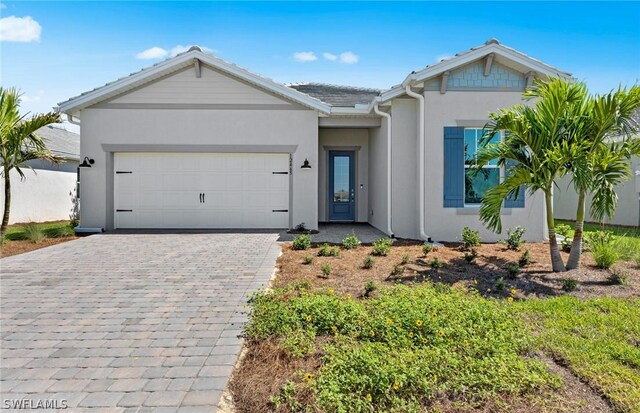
x=350, y=139
x=457, y=108
x=45, y=194
x=186, y=129
x=404, y=168
x=565, y=200
x=378, y=176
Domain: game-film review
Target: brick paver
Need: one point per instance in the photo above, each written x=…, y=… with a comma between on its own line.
x=129, y=321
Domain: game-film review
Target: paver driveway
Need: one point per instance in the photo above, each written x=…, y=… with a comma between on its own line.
x=129, y=322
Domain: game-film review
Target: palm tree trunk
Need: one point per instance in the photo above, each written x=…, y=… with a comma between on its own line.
x=576, y=245
x=7, y=201
x=556, y=258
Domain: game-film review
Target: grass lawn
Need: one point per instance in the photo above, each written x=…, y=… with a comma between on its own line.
x=627, y=238
x=404, y=336
x=21, y=238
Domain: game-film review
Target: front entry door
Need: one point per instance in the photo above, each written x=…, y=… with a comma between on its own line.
x=342, y=193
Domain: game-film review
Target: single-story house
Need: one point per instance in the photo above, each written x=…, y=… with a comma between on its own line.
x=565, y=199
x=198, y=142
x=48, y=191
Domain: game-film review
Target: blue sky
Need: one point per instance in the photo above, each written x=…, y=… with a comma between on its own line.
x=70, y=47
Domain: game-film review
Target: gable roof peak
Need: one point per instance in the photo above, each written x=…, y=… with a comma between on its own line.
x=493, y=40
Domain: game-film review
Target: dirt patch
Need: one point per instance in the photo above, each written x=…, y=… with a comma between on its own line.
x=10, y=248
x=535, y=280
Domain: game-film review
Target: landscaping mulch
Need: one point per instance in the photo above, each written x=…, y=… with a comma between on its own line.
x=10, y=248
x=535, y=280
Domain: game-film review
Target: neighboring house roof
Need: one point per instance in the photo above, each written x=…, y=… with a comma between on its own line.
x=336, y=95
x=176, y=63
x=61, y=141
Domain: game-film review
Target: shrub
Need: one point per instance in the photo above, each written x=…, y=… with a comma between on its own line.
x=513, y=270
x=301, y=227
x=563, y=229
x=500, y=284
x=308, y=259
x=565, y=244
x=525, y=258
x=62, y=232
x=382, y=246
x=396, y=271
x=370, y=287
x=34, y=233
x=618, y=278
x=514, y=238
x=569, y=284
x=470, y=257
x=605, y=254
x=436, y=264
x=368, y=262
x=328, y=251
x=405, y=259
x=470, y=238
x=426, y=249
x=351, y=242
x=326, y=270
x=302, y=242
x=597, y=238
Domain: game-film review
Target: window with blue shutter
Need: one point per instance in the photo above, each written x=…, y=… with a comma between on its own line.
x=454, y=169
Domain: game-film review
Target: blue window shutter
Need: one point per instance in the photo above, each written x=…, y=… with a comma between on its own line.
x=453, y=167
x=511, y=201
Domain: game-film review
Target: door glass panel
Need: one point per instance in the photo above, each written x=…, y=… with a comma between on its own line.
x=341, y=179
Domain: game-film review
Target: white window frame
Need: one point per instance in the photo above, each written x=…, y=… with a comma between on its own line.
x=479, y=132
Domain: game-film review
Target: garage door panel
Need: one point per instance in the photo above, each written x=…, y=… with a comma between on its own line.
x=163, y=190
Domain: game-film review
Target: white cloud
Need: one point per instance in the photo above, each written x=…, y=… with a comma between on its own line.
x=349, y=58
x=152, y=53
x=304, y=57
x=32, y=98
x=19, y=29
x=330, y=56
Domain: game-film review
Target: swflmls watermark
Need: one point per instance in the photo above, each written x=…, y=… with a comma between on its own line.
x=35, y=404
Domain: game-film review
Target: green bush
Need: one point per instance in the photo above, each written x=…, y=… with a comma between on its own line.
x=618, y=278
x=563, y=229
x=368, y=262
x=605, y=254
x=404, y=348
x=566, y=244
x=328, y=251
x=61, y=232
x=513, y=270
x=34, y=233
x=351, y=242
x=382, y=247
x=525, y=258
x=470, y=238
x=569, y=284
x=471, y=256
x=596, y=239
x=308, y=259
x=326, y=270
x=397, y=271
x=514, y=238
x=436, y=264
x=426, y=249
x=302, y=242
x=370, y=287
x=500, y=284
x=405, y=259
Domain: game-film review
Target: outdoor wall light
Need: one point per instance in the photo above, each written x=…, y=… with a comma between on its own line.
x=86, y=163
x=306, y=165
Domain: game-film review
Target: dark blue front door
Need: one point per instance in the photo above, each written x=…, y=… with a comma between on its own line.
x=342, y=193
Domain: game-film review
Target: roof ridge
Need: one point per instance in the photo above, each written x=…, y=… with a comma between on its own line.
x=363, y=88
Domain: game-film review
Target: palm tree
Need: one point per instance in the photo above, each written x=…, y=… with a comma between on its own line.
x=601, y=132
x=535, y=147
x=19, y=143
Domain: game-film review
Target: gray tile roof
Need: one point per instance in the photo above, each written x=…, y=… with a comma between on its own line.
x=335, y=95
x=60, y=141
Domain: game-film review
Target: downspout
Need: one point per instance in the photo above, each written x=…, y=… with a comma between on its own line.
x=388, y=118
x=421, y=209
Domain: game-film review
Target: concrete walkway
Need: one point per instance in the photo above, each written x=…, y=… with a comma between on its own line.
x=128, y=322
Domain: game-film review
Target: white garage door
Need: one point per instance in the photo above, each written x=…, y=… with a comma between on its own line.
x=201, y=190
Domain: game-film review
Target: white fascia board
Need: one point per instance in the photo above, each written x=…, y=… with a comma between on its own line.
x=358, y=110
x=79, y=102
